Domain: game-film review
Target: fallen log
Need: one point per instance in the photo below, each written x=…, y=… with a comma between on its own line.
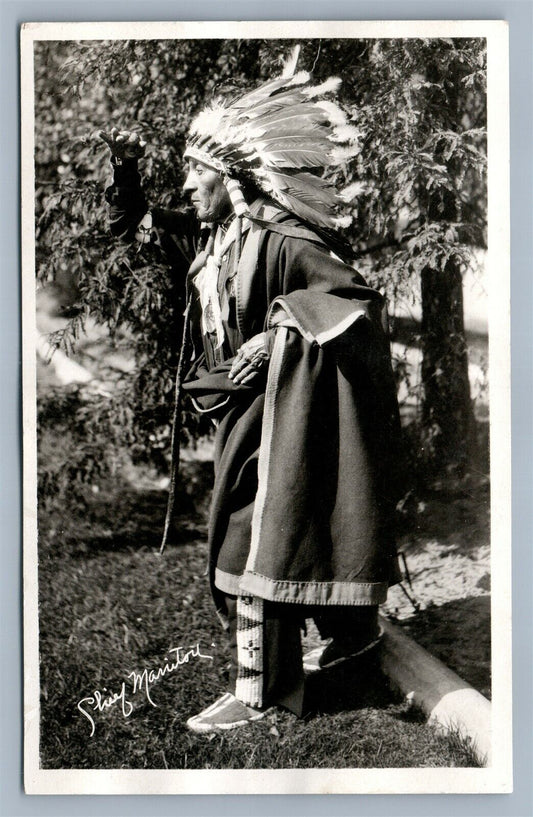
x=448, y=701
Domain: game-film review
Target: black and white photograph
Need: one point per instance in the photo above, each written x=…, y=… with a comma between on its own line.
x=266, y=408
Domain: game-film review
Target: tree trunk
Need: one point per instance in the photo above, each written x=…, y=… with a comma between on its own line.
x=448, y=430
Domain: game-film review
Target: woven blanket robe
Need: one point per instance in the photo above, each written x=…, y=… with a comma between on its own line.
x=305, y=462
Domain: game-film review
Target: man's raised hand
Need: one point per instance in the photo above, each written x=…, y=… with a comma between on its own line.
x=123, y=144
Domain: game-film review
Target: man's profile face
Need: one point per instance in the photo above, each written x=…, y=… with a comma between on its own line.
x=207, y=192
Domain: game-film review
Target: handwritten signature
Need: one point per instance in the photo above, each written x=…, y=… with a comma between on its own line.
x=141, y=682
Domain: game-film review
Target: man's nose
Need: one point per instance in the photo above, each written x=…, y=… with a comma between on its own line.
x=189, y=184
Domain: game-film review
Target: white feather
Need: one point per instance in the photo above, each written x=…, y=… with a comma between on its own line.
x=341, y=154
x=335, y=114
x=351, y=192
x=208, y=122
x=329, y=85
x=342, y=222
x=289, y=66
x=299, y=78
x=345, y=133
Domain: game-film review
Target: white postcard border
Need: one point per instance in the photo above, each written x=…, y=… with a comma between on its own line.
x=498, y=777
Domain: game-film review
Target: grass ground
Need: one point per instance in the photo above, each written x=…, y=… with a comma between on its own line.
x=111, y=605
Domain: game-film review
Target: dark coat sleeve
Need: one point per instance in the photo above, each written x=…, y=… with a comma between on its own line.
x=126, y=199
x=176, y=232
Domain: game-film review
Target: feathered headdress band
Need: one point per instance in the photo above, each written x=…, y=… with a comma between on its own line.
x=280, y=136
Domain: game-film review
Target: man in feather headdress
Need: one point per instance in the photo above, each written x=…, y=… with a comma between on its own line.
x=290, y=359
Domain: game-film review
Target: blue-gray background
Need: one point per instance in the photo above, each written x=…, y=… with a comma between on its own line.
x=519, y=14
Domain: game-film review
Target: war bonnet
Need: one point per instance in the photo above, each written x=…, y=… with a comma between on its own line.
x=281, y=136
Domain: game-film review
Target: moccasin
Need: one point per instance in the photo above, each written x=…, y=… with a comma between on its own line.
x=335, y=653
x=226, y=713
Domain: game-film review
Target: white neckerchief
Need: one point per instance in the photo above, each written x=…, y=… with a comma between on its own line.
x=207, y=283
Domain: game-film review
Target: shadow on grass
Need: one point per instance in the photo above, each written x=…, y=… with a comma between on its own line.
x=455, y=513
x=356, y=685
x=127, y=514
x=458, y=633
x=142, y=522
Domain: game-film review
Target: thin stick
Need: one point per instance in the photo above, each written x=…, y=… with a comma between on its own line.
x=176, y=428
